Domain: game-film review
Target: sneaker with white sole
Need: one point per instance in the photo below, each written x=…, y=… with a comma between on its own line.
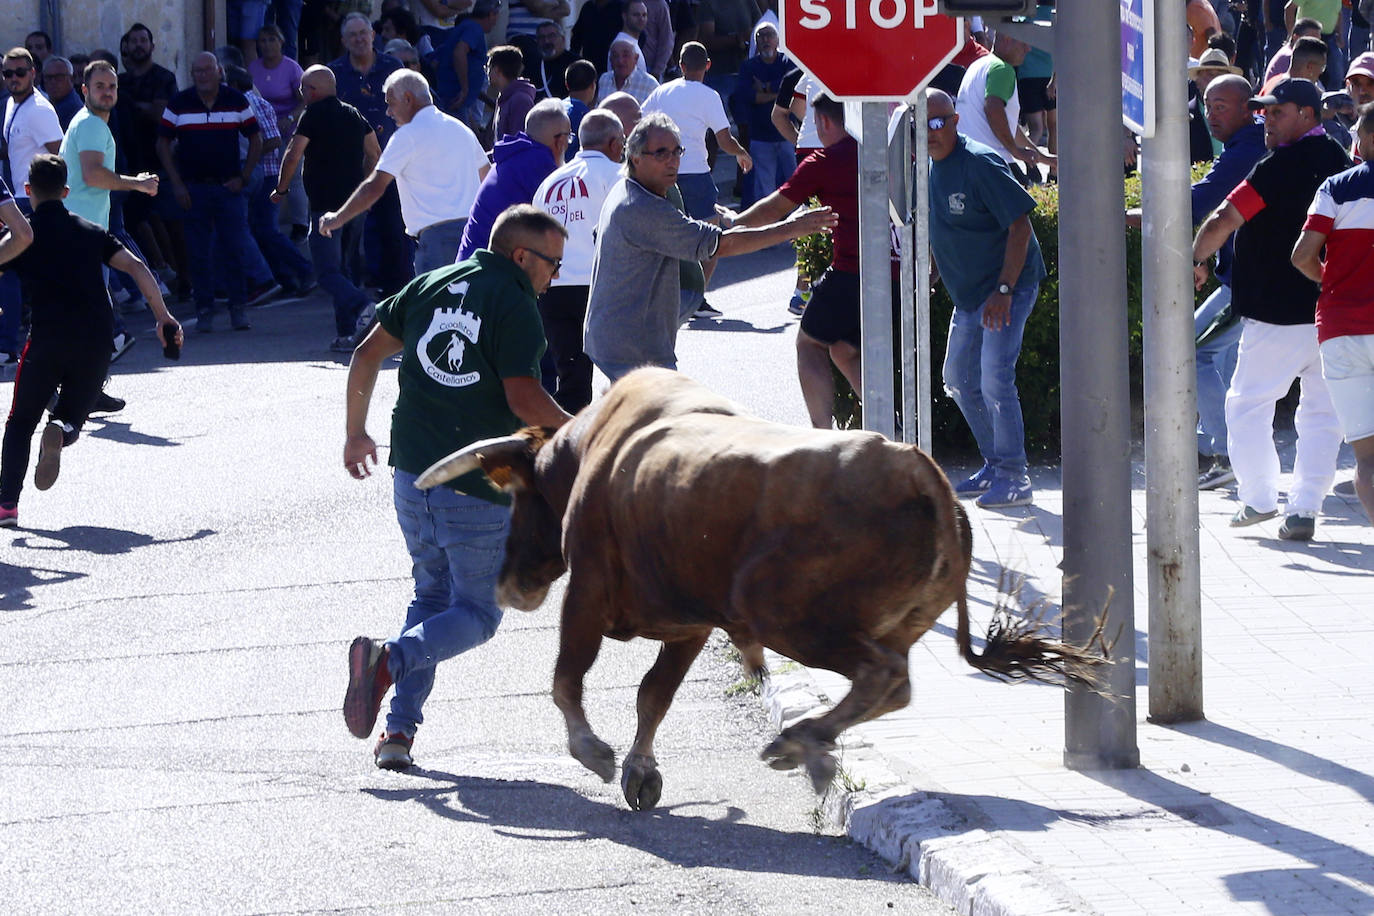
x=9, y=516
x=705, y=310
x=977, y=484
x=799, y=301
x=49, y=456
x=1298, y=526
x=1248, y=515
x=1218, y=475
x=393, y=751
x=1006, y=493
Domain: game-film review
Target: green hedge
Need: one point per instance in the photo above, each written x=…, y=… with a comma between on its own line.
x=1038, y=371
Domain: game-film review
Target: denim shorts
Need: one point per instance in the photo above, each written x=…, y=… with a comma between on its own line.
x=1348, y=367
x=698, y=195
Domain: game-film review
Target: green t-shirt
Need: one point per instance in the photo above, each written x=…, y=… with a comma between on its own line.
x=466, y=328
x=87, y=132
x=1327, y=12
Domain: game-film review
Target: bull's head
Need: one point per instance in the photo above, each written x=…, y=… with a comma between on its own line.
x=534, y=553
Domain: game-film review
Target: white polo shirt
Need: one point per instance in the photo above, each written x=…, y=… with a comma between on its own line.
x=573, y=195
x=435, y=160
x=695, y=108
x=28, y=128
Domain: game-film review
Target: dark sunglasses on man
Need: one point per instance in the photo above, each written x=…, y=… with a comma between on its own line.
x=17, y=71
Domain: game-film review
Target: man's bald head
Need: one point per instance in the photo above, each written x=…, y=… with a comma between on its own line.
x=624, y=107
x=600, y=130
x=319, y=81
x=1227, y=105
x=1231, y=85
x=939, y=104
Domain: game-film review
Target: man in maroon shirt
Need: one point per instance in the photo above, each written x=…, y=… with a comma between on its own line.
x=830, y=325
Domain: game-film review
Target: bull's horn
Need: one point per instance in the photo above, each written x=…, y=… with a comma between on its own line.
x=468, y=459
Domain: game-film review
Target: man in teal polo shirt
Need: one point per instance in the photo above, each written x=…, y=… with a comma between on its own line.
x=471, y=339
x=89, y=149
x=989, y=259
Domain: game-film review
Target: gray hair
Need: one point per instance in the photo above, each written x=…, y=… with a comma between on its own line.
x=598, y=128
x=398, y=46
x=639, y=137
x=553, y=22
x=546, y=119
x=62, y=61
x=407, y=80
x=343, y=24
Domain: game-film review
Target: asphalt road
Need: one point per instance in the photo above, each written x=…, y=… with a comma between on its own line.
x=176, y=613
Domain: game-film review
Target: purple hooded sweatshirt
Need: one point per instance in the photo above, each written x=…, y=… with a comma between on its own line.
x=520, y=165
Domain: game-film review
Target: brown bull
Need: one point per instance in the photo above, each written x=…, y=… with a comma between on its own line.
x=675, y=513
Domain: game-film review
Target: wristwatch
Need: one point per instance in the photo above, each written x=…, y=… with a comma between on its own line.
x=1003, y=289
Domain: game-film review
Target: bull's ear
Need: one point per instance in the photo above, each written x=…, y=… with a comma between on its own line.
x=496, y=458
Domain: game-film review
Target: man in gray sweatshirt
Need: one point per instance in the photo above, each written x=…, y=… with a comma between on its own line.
x=632, y=310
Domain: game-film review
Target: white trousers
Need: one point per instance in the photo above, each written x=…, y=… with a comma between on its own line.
x=1271, y=356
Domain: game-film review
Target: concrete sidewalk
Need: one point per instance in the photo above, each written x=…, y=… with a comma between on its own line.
x=1265, y=807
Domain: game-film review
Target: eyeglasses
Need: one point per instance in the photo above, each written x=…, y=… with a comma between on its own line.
x=556, y=263
x=666, y=153
x=17, y=71
x=936, y=123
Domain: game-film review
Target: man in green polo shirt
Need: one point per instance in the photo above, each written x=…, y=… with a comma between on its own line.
x=470, y=340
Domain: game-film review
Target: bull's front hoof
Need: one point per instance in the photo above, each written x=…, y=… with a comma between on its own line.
x=784, y=753
x=641, y=782
x=594, y=754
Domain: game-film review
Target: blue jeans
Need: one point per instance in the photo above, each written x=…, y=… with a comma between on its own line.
x=980, y=374
x=286, y=263
x=335, y=258
x=217, y=219
x=1216, y=361
x=389, y=251
x=456, y=544
x=773, y=164
x=438, y=245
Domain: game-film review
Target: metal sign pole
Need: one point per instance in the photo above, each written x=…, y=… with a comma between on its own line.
x=910, y=373
x=924, y=395
x=1171, y=500
x=875, y=273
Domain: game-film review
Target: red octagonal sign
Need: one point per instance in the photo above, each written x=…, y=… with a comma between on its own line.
x=869, y=50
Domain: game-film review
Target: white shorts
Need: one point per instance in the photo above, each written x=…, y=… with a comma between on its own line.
x=1348, y=367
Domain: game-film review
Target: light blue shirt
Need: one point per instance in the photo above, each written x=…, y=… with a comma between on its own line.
x=88, y=132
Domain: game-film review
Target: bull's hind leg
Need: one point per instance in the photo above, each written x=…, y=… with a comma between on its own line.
x=639, y=776
x=878, y=684
x=579, y=643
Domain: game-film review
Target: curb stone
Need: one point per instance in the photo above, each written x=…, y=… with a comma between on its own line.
x=977, y=872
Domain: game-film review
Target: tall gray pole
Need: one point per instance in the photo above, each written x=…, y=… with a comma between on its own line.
x=1171, y=506
x=925, y=400
x=1099, y=730
x=875, y=273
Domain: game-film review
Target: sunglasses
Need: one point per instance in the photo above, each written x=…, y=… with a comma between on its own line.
x=556, y=263
x=17, y=71
x=666, y=153
x=936, y=123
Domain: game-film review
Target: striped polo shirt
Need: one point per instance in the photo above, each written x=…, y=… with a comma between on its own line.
x=208, y=138
x=1343, y=211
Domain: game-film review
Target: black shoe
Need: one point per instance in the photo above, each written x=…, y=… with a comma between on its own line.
x=106, y=403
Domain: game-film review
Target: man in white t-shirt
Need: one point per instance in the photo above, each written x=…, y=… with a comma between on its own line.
x=989, y=109
x=436, y=192
x=573, y=195
x=697, y=109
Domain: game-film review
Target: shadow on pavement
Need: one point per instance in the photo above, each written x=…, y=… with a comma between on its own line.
x=17, y=582
x=1299, y=761
x=512, y=807
x=733, y=324
x=1281, y=889
x=125, y=433
x=94, y=539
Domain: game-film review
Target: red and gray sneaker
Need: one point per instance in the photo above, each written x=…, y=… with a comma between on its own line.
x=368, y=680
x=9, y=516
x=393, y=751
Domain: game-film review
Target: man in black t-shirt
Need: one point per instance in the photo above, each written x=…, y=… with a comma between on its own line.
x=340, y=149
x=69, y=337
x=1278, y=342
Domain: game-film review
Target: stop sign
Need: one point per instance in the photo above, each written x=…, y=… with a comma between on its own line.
x=869, y=50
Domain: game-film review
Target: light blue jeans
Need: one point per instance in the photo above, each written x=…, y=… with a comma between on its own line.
x=773, y=164
x=456, y=544
x=1216, y=361
x=980, y=374
x=438, y=245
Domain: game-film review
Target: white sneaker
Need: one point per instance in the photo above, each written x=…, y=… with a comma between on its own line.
x=122, y=342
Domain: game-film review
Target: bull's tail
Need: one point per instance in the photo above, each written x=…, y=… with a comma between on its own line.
x=1014, y=649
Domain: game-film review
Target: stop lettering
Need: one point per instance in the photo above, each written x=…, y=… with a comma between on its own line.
x=869, y=50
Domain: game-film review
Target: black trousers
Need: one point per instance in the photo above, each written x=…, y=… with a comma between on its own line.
x=78, y=368
x=564, y=310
